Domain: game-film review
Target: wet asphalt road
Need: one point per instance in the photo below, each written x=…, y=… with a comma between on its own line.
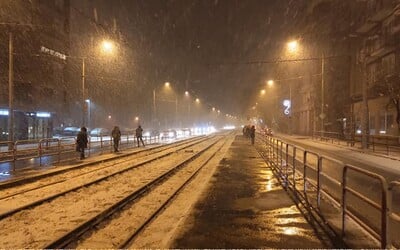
x=245, y=207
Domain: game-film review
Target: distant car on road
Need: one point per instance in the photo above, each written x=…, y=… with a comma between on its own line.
x=70, y=131
x=168, y=134
x=99, y=132
x=152, y=133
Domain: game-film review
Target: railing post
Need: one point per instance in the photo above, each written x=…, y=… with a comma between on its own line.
x=294, y=167
x=344, y=204
x=286, y=165
x=40, y=152
x=90, y=145
x=304, y=172
x=319, y=167
x=384, y=215
x=387, y=145
x=14, y=154
x=373, y=143
x=59, y=150
x=101, y=143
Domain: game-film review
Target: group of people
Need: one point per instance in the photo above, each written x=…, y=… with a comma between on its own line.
x=250, y=132
x=82, y=139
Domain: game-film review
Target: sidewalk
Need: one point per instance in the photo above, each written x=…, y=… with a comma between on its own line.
x=380, y=151
x=386, y=166
x=246, y=207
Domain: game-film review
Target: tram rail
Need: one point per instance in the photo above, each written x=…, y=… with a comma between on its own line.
x=148, y=164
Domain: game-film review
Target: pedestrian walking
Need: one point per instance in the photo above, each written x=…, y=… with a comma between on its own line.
x=116, y=135
x=139, y=135
x=81, y=142
x=252, y=134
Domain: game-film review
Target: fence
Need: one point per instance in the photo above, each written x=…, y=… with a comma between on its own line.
x=345, y=196
x=379, y=143
x=11, y=152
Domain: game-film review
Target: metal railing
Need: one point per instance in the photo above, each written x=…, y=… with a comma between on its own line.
x=12, y=152
x=356, y=197
x=384, y=143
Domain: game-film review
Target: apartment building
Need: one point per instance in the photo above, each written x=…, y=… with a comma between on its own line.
x=377, y=68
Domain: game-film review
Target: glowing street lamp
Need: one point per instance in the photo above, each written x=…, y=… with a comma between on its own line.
x=270, y=83
x=168, y=86
x=197, y=100
x=107, y=46
x=262, y=92
x=292, y=46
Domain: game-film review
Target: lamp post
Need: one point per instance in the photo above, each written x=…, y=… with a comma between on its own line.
x=83, y=91
x=107, y=47
x=292, y=48
x=89, y=111
x=166, y=85
x=288, y=105
x=11, y=90
x=187, y=95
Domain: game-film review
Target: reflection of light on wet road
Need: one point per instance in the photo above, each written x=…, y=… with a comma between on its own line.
x=270, y=180
x=286, y=221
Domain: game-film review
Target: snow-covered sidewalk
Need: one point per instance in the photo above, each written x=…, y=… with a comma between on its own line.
x=351, y=155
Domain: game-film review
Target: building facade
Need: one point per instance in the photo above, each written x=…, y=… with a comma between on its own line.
x=377, y=69
x=38, y=32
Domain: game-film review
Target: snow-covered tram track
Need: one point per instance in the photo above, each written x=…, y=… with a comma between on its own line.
x=38, y=178
x=60, y=185
x=38, y=226
x=156, y=195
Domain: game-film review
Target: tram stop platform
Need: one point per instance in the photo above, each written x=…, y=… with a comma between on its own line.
x=246, y=207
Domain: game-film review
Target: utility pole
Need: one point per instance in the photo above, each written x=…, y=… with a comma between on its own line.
x=322, y=94
x=365, y=109
x=154, y=107
x=291, y=109
x=10, y=89
x=83, y=92
x=176, y=110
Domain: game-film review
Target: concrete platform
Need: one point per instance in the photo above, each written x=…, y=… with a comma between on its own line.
x=246, y=207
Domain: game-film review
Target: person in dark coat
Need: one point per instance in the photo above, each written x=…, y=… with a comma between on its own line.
x=139, y=135
x=116, y=135
x=81, y=142
x=252, y=134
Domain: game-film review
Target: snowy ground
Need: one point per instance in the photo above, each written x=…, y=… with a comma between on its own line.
x=36, y=227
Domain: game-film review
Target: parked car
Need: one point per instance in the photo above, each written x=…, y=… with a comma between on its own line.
x=99, y=132
x=70, y=131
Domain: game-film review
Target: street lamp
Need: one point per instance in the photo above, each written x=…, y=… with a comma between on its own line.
x=287, y=103
x=166, y=85
x=106, y=46
x=293, y=48
x=187, y=95
x=11, y=90
x=89, y=112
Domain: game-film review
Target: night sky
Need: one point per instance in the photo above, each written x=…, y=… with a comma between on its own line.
x=205, y=45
